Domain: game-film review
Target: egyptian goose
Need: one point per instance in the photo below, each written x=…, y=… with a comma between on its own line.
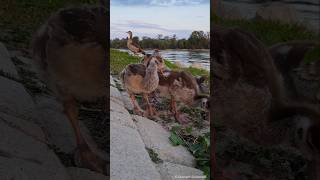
x=132, y=46
x=141, y=79
x=70, y=49
x=181, y=86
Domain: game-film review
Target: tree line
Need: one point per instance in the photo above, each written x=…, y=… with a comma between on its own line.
x=197, y=40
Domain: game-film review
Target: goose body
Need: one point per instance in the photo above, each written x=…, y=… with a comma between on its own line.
x=133, y=47
x=180, y=86
x=72, y=59
x=70, y=50
x=141, y=79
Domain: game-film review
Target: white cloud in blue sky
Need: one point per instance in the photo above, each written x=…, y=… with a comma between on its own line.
x=153, y=17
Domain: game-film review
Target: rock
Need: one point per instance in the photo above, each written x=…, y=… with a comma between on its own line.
x=6, y=65
x=24, y=158
x=117, y=105
x=85, y=174
x=128, y=156
x=157, y=138
x=122, y=118
x=126, y=100
x=29, y=63
x=278, y=12
x=170, y=171
x=115, y=94
x=112, y=83
x=17, y=169
x=14, y=99
x=30, y=128
x=55, y=124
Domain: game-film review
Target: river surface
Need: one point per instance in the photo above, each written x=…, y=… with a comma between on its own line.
x=308, y=10
x=184, y=57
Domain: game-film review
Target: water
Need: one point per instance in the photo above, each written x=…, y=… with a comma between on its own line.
x=308, y=10
x=185, y=57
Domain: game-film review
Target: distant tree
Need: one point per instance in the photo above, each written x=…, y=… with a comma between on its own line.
x=197, y=40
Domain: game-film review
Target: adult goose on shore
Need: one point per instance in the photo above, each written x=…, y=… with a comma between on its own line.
x=70, y=49
x=132, y=46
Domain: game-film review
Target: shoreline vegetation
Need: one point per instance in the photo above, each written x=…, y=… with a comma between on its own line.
x=269, y=32
x=196, y=40
x=19, y=19
x=119, y=59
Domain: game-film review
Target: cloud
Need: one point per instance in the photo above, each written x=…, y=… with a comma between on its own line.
x=143, y=29
x=159, y=2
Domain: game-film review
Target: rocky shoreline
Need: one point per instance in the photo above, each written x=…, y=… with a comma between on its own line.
x=37, y=141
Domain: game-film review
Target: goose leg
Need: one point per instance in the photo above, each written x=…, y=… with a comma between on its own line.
x=84, y=156
x=150, y=111
x=177, y=115
x=136, y=108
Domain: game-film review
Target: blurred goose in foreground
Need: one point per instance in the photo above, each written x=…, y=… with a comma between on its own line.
x=142, y=79
x=70, y=49
x=135, y=48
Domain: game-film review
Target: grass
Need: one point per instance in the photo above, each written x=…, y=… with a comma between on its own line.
x=312, y=54
x=269, y=32
x=119, y=60
x=275, y=162
x=19, y=19
x=199, y=146
x=154, y=156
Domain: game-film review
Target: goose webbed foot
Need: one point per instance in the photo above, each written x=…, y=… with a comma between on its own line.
x=85, y=158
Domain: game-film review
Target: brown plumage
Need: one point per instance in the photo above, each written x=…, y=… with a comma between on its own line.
x=132, y=46
x=249, y=93
x=160, y=60
x=70, y=51
x=141, y=79
x=180, y=86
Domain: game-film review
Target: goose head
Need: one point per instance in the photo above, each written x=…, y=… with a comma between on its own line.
x=157, y=60
x=129, y=34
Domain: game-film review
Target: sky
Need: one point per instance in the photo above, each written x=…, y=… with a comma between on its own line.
x=153, y=17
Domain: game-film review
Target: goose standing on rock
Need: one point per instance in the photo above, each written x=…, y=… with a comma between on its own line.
x=141, y=79
x=70, y=50
x=135, y=48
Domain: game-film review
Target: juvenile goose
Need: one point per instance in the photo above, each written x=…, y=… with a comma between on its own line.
x=181, y=86
x=161, y=65
x=135, y=48
x=70, y=49
x=141, y=79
